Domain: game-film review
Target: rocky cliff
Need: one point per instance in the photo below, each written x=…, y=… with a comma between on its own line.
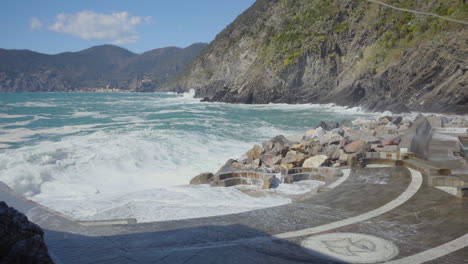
x=354, y=53
x=104, y=67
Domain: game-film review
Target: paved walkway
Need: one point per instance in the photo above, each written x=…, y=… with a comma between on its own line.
x=374, y=215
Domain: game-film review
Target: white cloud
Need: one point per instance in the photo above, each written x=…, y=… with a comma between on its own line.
x=119, y=28
x=35, y=23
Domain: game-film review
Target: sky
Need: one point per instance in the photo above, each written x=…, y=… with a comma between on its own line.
x=55, y=26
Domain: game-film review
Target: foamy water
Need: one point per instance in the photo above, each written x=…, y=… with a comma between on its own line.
x=100, y=156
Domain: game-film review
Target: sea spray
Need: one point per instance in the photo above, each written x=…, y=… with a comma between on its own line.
x=110, y=155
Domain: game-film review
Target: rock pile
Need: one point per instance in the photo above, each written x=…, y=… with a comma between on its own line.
x=331, y=144
x=20, y=240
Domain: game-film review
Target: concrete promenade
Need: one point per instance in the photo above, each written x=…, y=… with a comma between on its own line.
x=371, y=215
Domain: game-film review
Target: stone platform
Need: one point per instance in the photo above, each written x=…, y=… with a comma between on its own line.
x=369, y=215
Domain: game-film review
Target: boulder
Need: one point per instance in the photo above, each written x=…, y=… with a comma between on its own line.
x=338, y=131
x=236, y=166
x=346, y=123
x=318, y=133
x=331, y=151
x=310, y=133
x=390, y=142
x=270, y=160
x=315, y=161
x=359, y=135
x=331, y=138
x=343, y=159
x=397, y=120
x=255, y=152
x=327, y=126
x=336, y=165
x=283, y=167
x=277, y=145
x=299, y=147
x=312, y=147
x=356, y=146
x=203, y=178
x=227, y=166
x=20, y=240
x=257, y=162
x=385, y=120
x=293, y=157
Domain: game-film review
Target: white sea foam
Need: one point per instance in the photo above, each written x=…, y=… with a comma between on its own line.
x=128, y=119
x=34, y=104
x=23, y=123
x=139, y=166
x=114, y=175
x=22, y=134
x=300, y=187
x=162, y=204
x=89, y=114
x=7, y=116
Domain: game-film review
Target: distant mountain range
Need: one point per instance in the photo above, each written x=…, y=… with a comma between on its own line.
x=100, y=68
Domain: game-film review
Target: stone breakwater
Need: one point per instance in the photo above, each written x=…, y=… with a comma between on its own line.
x=322, y=149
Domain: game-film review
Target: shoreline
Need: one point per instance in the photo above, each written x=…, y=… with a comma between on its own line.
x=334, y=145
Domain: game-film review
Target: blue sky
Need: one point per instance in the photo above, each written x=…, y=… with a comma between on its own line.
x=54, y=26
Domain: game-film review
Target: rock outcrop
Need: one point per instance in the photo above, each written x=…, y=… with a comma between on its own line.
x=20, y=240
x=352, y=53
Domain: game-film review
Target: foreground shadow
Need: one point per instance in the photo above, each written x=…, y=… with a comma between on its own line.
x=204, y=244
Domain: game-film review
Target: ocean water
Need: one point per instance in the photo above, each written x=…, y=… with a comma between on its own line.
x=117, y=155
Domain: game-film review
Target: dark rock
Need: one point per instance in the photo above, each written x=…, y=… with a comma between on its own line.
x=327, y=126
x=295, y=158
x=312, y=147
x=332, y=151
x=397, y=120
x=386, y=119
x=227, y=166
x=203, y=178
x=277, y=145
x=20, y=240
x=346, y=123
x=338, y=131
x=356, y=135
x=270, y=160
x=330, y=139
x=357, y=146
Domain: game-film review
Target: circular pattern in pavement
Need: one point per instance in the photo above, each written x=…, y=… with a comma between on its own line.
x=351, y=247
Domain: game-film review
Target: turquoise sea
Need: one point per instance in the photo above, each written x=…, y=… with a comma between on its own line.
x=101, y=155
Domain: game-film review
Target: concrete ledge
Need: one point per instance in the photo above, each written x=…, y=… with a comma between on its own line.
x=436, y=177
x=265, y=180
x=262, y=180
x=325, y=174
x=128, y=221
